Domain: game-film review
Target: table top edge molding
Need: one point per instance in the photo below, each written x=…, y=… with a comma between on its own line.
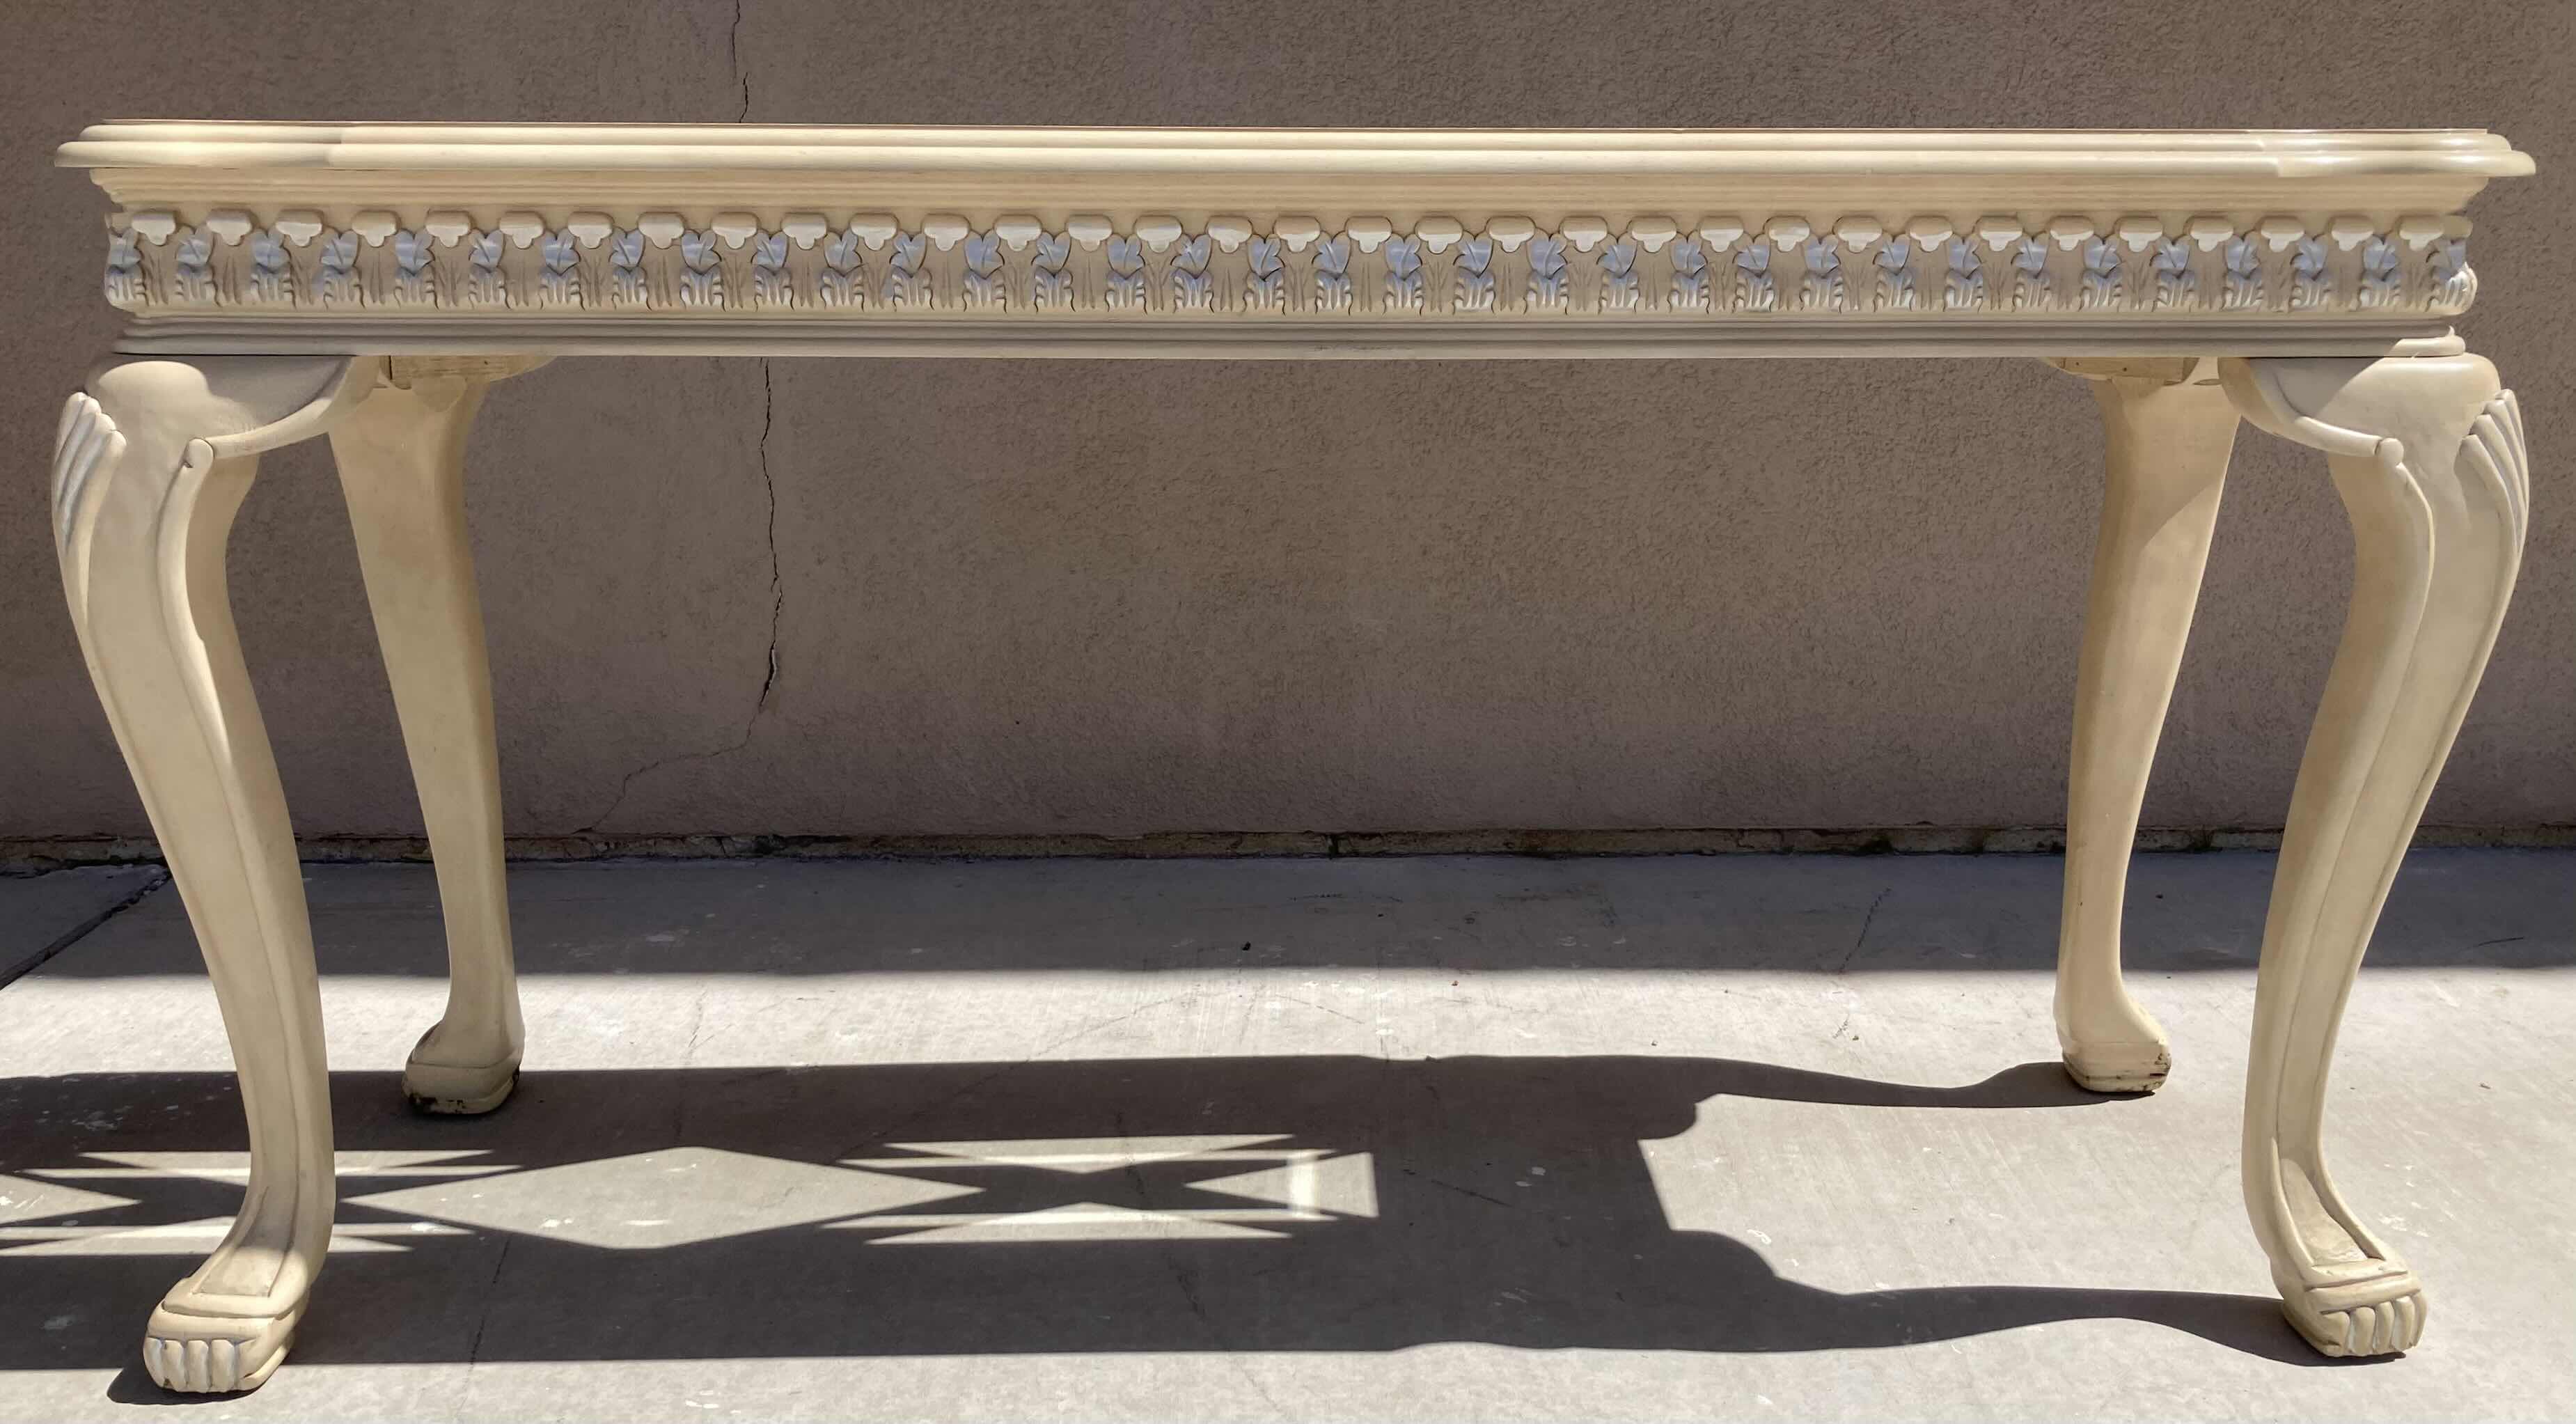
x=2286, y=153
x=1165, y=340
x=617, y=237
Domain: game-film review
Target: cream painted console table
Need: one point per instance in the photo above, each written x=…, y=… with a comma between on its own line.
x=370, y=281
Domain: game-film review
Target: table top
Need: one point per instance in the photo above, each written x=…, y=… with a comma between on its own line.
x=2383, y=169
x=141, y=143
x=1217, y=241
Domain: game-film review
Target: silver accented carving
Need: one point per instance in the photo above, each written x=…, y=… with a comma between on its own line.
x=1368, y=269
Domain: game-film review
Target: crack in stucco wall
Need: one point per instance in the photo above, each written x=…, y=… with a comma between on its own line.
x=777, y=582
x=777, y=620
x=769, y=487
x=733, y=57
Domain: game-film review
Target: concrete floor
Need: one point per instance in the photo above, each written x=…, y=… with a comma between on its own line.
x=1641, y=1139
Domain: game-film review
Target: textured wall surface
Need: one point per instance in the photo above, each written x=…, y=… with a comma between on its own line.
x=1008, y=598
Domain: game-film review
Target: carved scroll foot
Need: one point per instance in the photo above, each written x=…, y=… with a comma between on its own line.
x=2168, y=429
x=2428, y=455
x=402, y=467
x=451, y=1090
x=193, y=1353
x=149, y=468
x=2378, y=1310
x=2118, y=1048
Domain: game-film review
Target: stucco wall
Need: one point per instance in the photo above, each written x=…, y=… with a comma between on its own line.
x=1052, y=597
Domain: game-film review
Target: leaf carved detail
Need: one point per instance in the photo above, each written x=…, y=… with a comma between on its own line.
x=1367, y=271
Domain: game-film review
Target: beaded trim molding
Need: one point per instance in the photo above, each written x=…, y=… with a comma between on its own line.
x=871, y=265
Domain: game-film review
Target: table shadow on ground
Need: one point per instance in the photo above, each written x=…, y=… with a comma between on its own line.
x=1238, y=1204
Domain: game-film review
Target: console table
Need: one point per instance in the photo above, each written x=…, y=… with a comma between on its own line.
x=369, y=282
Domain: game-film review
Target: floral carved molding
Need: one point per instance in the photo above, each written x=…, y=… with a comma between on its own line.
x=1363, y=269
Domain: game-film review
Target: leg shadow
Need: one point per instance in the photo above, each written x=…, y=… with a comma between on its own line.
x=1265, y=1204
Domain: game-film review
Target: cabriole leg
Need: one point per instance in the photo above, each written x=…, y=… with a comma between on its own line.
x=402, y=467
x=2428, y=455
x=2167, y=431
x=149, y=467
